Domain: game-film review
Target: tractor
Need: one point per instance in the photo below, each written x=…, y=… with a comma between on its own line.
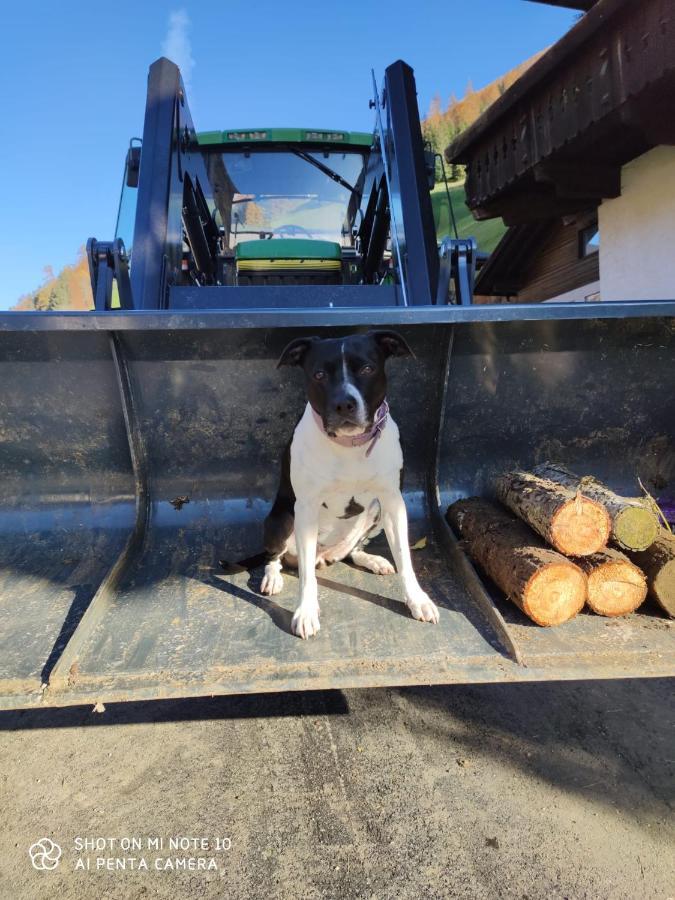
x=140, y=440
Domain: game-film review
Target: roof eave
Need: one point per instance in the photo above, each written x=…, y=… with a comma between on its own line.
x=460, y=149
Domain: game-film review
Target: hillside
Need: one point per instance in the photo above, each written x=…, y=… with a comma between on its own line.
x=439, y=127
x=70, y=289
x=487, y=233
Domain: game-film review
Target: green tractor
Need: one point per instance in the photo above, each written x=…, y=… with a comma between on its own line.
x=281, y=209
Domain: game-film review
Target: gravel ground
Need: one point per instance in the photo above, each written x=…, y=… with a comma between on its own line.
x=524, y=791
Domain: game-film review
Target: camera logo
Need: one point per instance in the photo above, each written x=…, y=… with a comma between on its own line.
x=45, y=855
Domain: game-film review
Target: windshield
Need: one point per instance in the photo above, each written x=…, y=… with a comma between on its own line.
x=282, y=194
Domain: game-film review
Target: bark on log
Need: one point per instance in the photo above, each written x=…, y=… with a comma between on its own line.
x=616, y=587
x=570, y=522
x=634, y=524
x=658, y=564
x=546, y=586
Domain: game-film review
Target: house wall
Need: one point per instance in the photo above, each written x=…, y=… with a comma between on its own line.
x=556, y=268
x=637, y=231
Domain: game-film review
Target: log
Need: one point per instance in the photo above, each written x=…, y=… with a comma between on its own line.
x=546, y=586
x=635, y=525
x=658, y=564
x=570, y=522
x=616, y=586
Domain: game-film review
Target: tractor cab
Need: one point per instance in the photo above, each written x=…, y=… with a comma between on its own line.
x=285, y=203
x=279, y=206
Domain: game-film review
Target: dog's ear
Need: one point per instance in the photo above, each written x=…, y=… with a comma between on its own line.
x=391, y=343
x=294, y=353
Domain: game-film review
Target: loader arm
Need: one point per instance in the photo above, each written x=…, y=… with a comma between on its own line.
x=176, y=171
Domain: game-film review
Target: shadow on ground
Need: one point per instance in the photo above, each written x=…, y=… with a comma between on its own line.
x=610, y=742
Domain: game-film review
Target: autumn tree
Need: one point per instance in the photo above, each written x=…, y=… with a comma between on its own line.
x=441, y=126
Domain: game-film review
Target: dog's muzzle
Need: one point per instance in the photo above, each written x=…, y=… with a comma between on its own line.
x=370, y=436
x=337, y=427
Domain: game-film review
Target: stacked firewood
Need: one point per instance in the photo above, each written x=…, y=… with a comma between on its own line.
x=556, y=541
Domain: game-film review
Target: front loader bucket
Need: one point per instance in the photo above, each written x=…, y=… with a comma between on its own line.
x=139, y=449
x=68, y=495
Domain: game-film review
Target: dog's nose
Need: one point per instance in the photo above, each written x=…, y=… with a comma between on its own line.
x=345, y=405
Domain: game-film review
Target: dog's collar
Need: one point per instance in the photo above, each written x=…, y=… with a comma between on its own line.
x=369, y=437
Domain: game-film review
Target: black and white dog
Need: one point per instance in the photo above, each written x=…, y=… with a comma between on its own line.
x=341, y=474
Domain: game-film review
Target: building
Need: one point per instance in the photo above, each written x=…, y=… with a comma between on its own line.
x=578, y=158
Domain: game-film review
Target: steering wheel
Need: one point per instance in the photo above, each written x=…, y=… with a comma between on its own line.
x=293, y=229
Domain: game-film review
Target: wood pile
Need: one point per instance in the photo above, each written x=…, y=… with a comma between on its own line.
x=556, y=541
x=545, y=585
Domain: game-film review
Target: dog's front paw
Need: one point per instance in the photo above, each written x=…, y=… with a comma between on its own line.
x=377, y=564
x=305, y=621
x=422, y=607
x=273, y=580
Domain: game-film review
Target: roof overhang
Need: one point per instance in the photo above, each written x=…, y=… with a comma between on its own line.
x=583, y=5
x=555, y=142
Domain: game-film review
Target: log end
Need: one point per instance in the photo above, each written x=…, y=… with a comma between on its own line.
x=658, y=564
x=616, y=588
x=664, y=588
x=635, y=528
x=580, y=527
x=555, y=594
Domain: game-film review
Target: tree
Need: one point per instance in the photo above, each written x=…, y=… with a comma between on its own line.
x=70, y=289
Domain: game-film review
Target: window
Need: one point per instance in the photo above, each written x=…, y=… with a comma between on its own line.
x=285, y=193
x=589, y=240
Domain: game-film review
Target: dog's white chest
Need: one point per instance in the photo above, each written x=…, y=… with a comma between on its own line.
x=320, y=468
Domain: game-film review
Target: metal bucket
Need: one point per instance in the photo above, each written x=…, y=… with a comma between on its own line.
x=138, y=449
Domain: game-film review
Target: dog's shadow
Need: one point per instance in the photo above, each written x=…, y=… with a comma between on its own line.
x=281, y=616
x=395, y=606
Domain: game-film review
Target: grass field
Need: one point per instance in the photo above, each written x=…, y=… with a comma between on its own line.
x=488, y=233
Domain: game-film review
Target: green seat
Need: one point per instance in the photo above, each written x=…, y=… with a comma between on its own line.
x=300, y=252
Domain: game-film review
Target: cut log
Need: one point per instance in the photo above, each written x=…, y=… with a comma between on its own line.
x=546, y=586
x=658, y=564
x=635, y=525
x=570, y=522
x=616, y=587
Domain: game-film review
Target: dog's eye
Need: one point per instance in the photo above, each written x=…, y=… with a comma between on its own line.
x=320, y=375
x=367, y=370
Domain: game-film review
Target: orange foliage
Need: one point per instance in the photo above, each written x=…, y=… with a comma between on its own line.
x=70, y=289
x=440, y=126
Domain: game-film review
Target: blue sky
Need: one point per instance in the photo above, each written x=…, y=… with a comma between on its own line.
x=75, y=77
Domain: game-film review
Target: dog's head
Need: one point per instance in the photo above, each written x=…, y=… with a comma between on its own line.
x=345, y=377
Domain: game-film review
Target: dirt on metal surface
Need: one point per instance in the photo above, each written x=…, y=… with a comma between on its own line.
x=514, y=791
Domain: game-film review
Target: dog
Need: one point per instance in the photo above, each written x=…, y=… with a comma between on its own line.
x=341, y=474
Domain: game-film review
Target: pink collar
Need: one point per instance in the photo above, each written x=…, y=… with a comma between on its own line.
x=358, y=440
